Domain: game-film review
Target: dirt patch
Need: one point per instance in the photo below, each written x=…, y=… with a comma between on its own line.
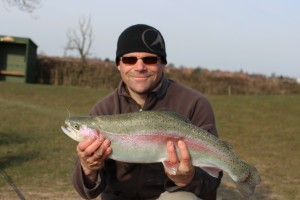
x=227, y=191
x=9, y=194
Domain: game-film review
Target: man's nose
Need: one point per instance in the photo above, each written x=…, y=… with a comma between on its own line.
x=140, y=65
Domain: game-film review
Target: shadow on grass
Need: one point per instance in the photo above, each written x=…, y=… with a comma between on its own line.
x=9, y=155
x=228, y=191
x=16, y=159
x=12, y=138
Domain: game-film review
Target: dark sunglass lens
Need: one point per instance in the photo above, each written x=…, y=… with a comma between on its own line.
x=150, y=60
x=129, y=60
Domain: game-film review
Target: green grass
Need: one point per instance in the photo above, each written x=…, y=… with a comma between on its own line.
x=34, y=152
x=38, y=157
x=264, y=131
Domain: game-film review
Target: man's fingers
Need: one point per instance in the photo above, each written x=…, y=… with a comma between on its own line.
x=85, y=143
x=172, y=154
x=87, y=147
x=185, y=160
x=100, y=151
x=184, y=152
x=185, y=171
x=106, y=153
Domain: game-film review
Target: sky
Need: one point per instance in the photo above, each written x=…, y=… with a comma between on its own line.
x=255, y=36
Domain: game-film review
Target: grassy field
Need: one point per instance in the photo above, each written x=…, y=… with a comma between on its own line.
x=38, y=157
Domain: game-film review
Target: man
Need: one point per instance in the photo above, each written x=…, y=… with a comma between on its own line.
x=141, y=59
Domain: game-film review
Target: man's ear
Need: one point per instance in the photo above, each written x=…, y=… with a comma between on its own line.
x=119, y=67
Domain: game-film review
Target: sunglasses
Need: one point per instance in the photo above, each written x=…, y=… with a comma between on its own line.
x=148, y=60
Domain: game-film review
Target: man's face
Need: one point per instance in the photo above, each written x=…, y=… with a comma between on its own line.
x=140, y=77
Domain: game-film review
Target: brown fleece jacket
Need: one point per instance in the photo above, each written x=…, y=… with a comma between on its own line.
x=122, y=181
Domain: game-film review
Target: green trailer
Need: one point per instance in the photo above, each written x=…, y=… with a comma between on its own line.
x=18, y=58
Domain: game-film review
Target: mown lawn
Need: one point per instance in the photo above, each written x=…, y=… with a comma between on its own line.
x=38, y=157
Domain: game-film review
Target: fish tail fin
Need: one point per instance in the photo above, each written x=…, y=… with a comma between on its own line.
x=247, y=186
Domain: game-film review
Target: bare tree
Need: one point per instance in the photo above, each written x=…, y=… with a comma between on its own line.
x=82, y=41
x=24, y=5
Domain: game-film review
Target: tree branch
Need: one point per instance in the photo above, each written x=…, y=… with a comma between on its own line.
x=24, y=5
x=81, y=41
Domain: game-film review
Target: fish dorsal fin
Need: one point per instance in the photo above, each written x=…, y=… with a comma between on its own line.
x=177, y=116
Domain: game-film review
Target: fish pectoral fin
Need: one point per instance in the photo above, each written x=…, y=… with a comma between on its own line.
x=171, y=168
x=213, y=171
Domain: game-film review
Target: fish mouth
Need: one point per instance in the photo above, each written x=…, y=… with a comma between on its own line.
x=69, y=131
x=66, y=129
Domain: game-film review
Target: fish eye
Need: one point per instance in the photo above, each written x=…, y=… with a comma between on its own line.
x=76, y=126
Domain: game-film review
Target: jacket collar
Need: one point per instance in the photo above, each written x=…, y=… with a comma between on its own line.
x=155, y=93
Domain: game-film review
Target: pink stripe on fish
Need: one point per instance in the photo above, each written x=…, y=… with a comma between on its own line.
x=161, y=138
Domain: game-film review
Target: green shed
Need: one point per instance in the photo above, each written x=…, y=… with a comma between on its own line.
x=18, y=58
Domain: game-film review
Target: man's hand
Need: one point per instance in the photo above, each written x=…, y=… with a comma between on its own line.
x=185, y=171
x=92, y=153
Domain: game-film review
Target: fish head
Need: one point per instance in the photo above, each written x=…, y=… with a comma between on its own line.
x=78, y=128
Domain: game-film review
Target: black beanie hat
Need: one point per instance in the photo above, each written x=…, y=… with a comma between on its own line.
x=141, y=38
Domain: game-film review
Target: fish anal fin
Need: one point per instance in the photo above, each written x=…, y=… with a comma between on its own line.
x=213, y=171
x=171, y=168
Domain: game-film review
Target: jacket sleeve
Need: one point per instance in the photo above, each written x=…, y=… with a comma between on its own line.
x=78, y=177
x=81, y=186
x=202, y=185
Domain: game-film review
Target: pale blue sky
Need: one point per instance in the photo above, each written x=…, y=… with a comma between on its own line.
x=256, y=36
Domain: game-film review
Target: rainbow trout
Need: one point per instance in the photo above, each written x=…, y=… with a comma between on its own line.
x=141, y=137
